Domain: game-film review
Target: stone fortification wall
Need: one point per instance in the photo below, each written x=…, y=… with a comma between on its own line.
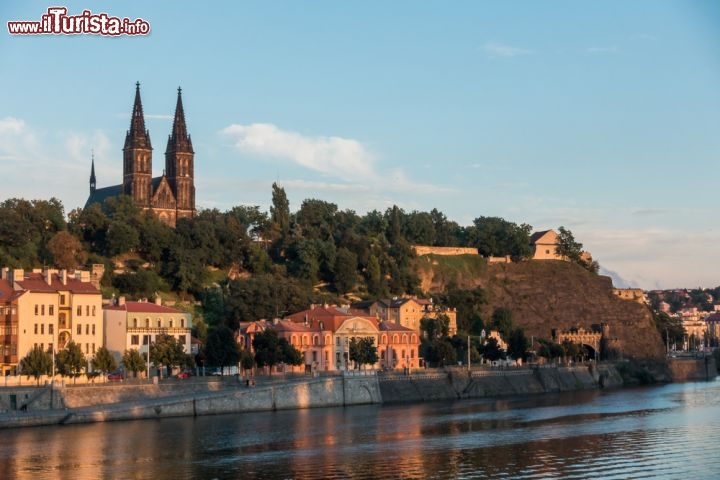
x=425, y=250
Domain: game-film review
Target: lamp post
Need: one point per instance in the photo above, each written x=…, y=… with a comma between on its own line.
x=148, y=356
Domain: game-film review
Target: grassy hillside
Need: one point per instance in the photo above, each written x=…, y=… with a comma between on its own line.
x=547, y=295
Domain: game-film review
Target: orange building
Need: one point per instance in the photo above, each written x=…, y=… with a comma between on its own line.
x=323, y=335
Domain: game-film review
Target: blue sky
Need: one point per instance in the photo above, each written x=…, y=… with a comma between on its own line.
x=601, y=117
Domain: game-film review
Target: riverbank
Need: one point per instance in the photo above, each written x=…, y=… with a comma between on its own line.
x=64, y=404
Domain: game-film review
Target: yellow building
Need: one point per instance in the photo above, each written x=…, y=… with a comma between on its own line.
x=48, y=308
x=130, y=325
x=408, y=311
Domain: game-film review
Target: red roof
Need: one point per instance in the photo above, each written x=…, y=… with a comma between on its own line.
x=35, y=282
x=143, y=307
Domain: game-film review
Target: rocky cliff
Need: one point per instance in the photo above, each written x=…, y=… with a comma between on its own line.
x=547, y=295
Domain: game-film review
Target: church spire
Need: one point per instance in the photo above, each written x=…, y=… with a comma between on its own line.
x=137, y=136
x=179, y=140
x=92, y=173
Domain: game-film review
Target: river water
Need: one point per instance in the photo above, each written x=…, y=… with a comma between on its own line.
x=668, y=432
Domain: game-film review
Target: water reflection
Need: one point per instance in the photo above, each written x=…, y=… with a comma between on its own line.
x=667, y=432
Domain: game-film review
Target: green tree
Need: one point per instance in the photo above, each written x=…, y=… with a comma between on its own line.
x=494, y=236
x=502, y=321
x=267, y=348
x=289, y=354
x=247, y=360
x=345, y=270
x=670, y=328
x=104, y=361
x=567, y=246
x=134, y=362
x=167, y=352
x=36, y=363
x=363, y=351
x=491, y=350
x=71, y=361
x=549, y=350
x=435, y=328
x=518, y=344
x=221, y=349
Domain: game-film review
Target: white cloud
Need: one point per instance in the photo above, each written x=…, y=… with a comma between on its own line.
x=494, y=49
x=610, y=49
x=338, y=157
x=41, y=165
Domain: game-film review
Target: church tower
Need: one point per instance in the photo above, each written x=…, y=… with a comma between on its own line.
x=93, y=183
x=137, y=157
x=179, y=163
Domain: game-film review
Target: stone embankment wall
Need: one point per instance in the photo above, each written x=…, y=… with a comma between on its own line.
x=459, y=384
x=426, y=250
x=132, y=402
x=689, y=369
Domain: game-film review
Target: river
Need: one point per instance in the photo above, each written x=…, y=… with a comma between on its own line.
x=667, y=432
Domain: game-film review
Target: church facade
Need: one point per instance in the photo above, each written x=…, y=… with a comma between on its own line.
x=170, y=196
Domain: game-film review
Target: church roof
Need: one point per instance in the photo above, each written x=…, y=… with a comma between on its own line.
x=179, y=140
x=137, y=136
x=102, y=194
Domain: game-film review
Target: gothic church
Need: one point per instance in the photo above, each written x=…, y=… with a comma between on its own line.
x=170, y=196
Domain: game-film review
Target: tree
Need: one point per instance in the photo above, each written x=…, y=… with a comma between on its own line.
x=435, y=328
x=167, y=351
x=495, y=236
x=267, y=348
x=502, y=321
x=36, y=363
x=221, y=349
x=104, y=360
x=247, y=361
x=518, y=344
x=289, y=354
x=345, y=270
x=549, y=350
x=134, y=362
x=567, y=246
x=66, y=250
x=363, y=351
x=491, y=350
x=71, y=361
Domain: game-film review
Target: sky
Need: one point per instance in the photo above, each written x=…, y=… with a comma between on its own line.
x=601, y=117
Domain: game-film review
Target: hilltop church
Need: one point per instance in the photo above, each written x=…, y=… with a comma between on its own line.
x=170, y=196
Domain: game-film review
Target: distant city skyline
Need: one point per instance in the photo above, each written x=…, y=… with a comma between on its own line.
x=601, y=118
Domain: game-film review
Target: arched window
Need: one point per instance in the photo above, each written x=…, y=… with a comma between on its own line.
x=182, y=323
x=147, y=323
x=134, y=322
x=327, y=340
x=171, y=323
x=293, y=340
x=395, y=338
x=413, y=339
x=383, y=339
x=404, y=339
x=316, y=340
x=159, y=323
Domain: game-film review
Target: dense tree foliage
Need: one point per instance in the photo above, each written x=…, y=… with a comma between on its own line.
x=104, y=361
x=271, y=350
x=363, y=351
x=70, y=361
x=167, y=352
x=134, y=362
x=36, y=363
x=221, y=349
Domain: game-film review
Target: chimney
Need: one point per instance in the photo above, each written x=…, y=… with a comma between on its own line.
x=158, y=300
x=16, y=275
x=63, y=276
x=47, y=273
x=121, y=301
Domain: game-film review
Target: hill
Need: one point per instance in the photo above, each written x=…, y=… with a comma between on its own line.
x=547, y=295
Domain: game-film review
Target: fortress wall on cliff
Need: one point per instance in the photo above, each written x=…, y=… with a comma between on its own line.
x=425, y=250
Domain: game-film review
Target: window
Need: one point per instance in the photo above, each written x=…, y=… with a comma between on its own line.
x=42, y=329
x=79, y=311
x=93, y=329
x=51, y=329
x=171, y=323
x=51, y=309
x=87, y=329
x=79, y=329
x=134, y=322
x=182, y=323
x=93, y=310
x=87, y=348
x=42, y=309
x=314, y=356
x=93, y=348
x=50, y=347
x=337, y=341
x=62, y=299
x=159, y=323
x=37, y=309
x=36, y=329
x=134, y=339
x=147, y=323
x=87, y=310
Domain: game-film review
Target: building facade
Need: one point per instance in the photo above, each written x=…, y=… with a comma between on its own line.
x=135, y=325
x=170, y=196
x=408, y=312
x=323, y=336
x=49, y=309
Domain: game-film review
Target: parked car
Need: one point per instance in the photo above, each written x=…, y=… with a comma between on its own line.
x=115, y=377
x=184, y=374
